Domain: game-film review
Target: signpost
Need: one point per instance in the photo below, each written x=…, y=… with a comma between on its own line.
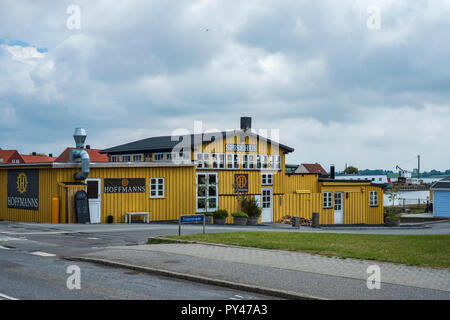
x=191, y=218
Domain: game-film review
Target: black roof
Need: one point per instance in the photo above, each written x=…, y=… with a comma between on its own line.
x=441, y=184
x=165, y=143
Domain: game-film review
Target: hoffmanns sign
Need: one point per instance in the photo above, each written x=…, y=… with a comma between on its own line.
x=132, y=185
x=23, y=189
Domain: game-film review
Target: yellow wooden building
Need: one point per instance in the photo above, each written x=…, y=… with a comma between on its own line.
x=169, y=176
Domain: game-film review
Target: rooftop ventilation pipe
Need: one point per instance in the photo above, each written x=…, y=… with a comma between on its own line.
x=80, y=155
x=332, y=172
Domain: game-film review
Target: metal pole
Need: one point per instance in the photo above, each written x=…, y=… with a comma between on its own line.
x=204, y=222
x=179, y=226
x=418, y=167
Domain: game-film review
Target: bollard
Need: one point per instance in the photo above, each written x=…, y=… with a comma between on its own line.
x=315, y=220
x=55, y=210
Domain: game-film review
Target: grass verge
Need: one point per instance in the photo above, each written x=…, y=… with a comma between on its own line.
x=421, y=250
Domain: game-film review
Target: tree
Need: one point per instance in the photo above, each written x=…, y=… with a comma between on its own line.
x=351, y=170
x=393, y=194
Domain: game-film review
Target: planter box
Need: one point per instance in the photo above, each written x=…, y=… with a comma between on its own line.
x=392, y=223
x=240, y=221
x=252, y=221
x=219, y=220
x=208, y=219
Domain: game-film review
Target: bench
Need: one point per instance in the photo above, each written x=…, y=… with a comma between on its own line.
x=128, y=216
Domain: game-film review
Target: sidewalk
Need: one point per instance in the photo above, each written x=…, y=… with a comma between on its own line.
x=287, y=274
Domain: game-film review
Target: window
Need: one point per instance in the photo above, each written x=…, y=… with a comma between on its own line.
x=248, y=161
x=263, y=161
x=266, y=179
x=156, y=187
x=233, y=161
x=203, y=160
x=374, y=198
x=275, y=162
x=126, y=158
x=207, y=192
x=158, y=157
x=115, y=158
x=218, y=161
x=328, y=200
x=137, y=157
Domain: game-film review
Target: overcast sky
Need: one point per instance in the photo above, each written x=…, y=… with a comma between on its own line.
x=341, y=85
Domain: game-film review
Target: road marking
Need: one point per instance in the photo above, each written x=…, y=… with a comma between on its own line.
x=11, y=239
x=93, y=238
x=43, y=254
x=4, y=296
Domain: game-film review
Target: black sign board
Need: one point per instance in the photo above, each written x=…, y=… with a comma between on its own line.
x=82, y=207
x=131, y=185
x=23, y=189
x=241, y=181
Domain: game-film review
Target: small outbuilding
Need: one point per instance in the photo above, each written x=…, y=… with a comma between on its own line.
x=441, y=197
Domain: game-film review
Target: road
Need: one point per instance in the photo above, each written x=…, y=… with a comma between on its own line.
x=42, y=276
x=32, y=264
x=32, y=267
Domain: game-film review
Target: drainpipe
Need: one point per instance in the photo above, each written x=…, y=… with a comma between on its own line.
x=80, y=155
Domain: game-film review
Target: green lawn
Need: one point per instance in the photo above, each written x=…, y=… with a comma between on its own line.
x=426, y=250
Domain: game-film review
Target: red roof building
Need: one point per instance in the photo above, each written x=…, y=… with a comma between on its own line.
x=37, y=159
x=94, y=156
x=311, y=168
x=10, y=156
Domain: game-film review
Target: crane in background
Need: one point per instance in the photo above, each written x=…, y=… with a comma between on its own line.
x=402, y=173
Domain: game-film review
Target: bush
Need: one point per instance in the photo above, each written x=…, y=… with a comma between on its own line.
x=250, y=207
x=220, y=214
x=208, y=214
x=239, y=214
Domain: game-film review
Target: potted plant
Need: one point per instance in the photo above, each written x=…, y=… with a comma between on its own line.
x=392, y=219
x=251, y=208
x=220, y=216
x=240, y=218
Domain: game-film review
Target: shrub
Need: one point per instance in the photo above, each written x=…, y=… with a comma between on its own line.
x=250, y=206
x=220, y=214
x=239, y=214
x=208, y=214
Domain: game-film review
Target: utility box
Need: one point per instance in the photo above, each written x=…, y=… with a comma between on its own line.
x=296, y=222
x=315, y=220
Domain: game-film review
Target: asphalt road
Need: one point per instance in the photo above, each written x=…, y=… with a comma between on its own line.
x=28, y=276
x=24, y=275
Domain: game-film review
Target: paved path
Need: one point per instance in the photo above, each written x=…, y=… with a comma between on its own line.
x=303, y=273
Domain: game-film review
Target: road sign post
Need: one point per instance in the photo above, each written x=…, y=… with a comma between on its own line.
x=191, y=218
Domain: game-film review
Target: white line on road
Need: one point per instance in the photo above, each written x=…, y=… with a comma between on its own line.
x=43, y=254
x=4, y=296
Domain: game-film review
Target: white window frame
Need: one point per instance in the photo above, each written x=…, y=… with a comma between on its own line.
x=159, y=155
x=262, y=161
x=275, y=162
x=328, y=200
x=266, y=179
x=206, y=197
x=157, y=182
x=217, y=161
x=126, y=155
x=373, y=198
x=248, y=162
x=235, y=162
x=115, y=158
x=137, y=155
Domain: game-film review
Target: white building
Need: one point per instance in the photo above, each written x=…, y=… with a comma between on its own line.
x=374, y=178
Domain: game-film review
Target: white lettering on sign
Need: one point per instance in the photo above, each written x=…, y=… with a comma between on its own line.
x=241, y=147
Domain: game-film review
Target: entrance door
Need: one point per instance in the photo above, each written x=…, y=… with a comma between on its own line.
x=267, y=208
x=95, y=199
x=338, y=208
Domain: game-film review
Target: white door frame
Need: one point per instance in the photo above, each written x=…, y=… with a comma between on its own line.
x=267, y=217
x=96, y=202
x=339, y=213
